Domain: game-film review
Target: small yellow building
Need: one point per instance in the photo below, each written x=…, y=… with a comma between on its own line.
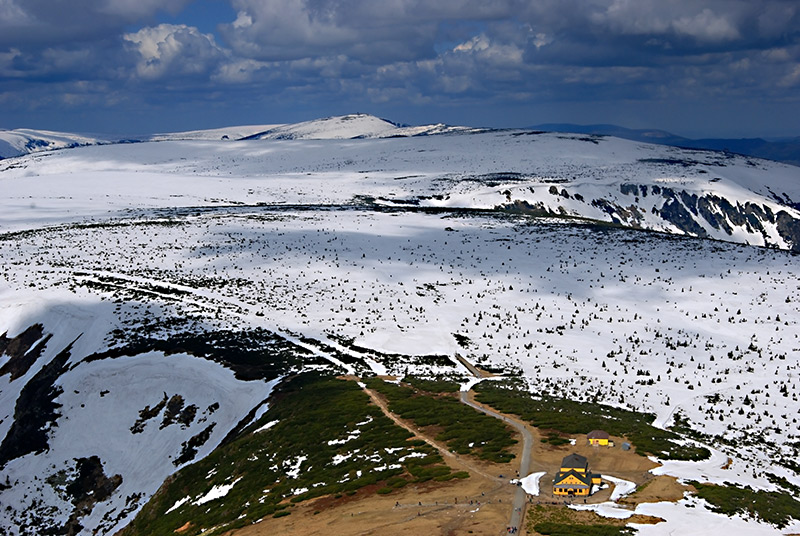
x=598, y=437
x=574, y=478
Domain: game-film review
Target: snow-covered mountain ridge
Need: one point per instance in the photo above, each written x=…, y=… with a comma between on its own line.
x=355, y=126
x=19, y=142
x=698, y=193
x=23, y=141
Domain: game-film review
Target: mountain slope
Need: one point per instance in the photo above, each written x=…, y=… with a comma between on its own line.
x=340, y=127
x=93, y=432
x=588, y=312
x=24, y=141
x=212, y=134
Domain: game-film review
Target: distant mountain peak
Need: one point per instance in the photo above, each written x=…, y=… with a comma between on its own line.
x=354, y=126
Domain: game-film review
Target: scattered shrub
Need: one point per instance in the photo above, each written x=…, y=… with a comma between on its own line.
x=775, y=507
x=571, y=417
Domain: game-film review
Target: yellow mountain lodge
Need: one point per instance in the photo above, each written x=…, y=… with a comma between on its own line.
x=574, y=478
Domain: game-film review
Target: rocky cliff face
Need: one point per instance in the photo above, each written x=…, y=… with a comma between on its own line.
x=708, y=215
x=693, y=214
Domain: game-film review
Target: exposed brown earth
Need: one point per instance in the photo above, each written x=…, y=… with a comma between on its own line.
x=660, y=488
x=425, y=509
x=183, y=528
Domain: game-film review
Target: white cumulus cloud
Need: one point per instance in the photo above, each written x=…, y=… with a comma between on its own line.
x=169, y=50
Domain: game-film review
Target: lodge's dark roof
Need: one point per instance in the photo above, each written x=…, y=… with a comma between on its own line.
x=586, y=479
x=597, y=434
x=574, y=461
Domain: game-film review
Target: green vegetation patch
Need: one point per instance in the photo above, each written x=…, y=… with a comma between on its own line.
x=563, y=529
x=775, y=507
x=464, y=429
x=563, y=521
x=328, y=440
x=555, y=439
x=570, y=417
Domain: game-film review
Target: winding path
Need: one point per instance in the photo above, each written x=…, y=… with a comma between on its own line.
x=466, y=398
x=527, y=439
x=443, y=450
x=525, y=461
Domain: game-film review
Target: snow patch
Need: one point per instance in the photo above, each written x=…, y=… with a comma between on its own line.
x=267, y=426
x=217, y=492
x=469, y=384
x=606, y=509
x=693, y=516
x=531, y=483
x=293, y=470
x=621, y=487
x=178, y=504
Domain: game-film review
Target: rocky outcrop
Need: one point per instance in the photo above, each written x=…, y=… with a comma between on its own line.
x=84, y=487
x=675, y=213
x=21, y=351
x=704, y=215
x=694, y=214
x=789, y=229
x=36, y=409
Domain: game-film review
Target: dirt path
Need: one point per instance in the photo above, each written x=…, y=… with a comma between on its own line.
x=461, y=507
x=467, y=397
x=525, y=459
x=454, y=459
x=475, y=371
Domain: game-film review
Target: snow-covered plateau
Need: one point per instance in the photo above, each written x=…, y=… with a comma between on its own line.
x=642, y=276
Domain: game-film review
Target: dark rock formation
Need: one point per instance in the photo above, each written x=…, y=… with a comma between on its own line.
x=36, y=408
x=21, y=352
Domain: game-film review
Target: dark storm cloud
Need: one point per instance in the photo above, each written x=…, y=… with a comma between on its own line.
x=457, y=53
x=624, y=32
x=375, y=32
x=395, y=30
x=62, y=22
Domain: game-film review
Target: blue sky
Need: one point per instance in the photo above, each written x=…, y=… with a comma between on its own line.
x=725, y=68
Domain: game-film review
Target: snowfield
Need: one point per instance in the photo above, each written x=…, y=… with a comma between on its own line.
x=22, y=141
x=387, y=244
x=693, y=516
